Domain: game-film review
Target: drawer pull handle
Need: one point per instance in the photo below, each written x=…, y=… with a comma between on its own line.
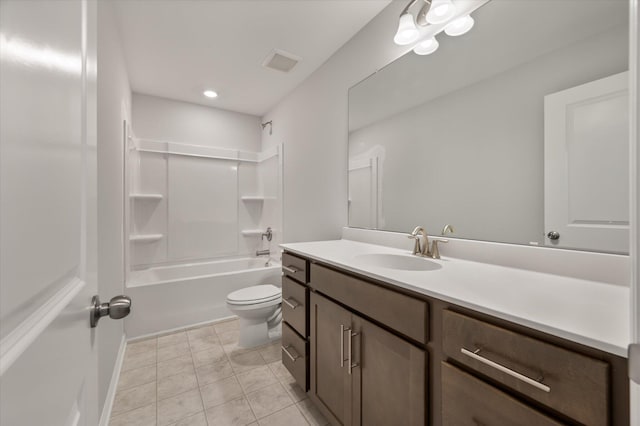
x=506, y=370
x=342, y=330
x=351, y=363
x=290, y=269
x=289, y=304
x=285, y=349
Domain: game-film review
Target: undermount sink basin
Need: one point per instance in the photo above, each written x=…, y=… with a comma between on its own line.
x=397, y=261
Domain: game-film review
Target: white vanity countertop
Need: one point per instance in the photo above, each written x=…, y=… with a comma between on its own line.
x=592, y=313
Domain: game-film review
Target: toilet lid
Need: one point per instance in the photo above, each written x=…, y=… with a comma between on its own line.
x=254, y=294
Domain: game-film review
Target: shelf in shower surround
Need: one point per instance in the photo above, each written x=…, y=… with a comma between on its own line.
x=145, y=238
x=256, y=198
x=140, y=196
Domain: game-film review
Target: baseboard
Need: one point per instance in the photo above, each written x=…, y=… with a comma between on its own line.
x=184, y=327
x=113, y=386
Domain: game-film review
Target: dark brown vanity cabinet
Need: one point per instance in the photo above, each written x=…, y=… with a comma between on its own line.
x=362, y=374
x=295, y=316
x=378, y=355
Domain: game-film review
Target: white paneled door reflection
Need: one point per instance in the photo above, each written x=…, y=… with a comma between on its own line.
x=203, y=207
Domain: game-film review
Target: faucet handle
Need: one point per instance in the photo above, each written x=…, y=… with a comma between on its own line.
x=435, y=251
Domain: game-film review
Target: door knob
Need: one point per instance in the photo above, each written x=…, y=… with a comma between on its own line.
x=118, y=307
x=553, y=235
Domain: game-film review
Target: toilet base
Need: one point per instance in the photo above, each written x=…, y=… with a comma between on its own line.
x=256, y=333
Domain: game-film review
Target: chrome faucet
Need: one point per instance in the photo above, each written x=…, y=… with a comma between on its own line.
x=425, y=249
x=420, y=249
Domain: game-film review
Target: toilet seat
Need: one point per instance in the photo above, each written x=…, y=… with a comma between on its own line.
x=254, y=295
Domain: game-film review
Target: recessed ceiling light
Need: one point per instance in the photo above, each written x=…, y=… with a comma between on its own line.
x=210, y=94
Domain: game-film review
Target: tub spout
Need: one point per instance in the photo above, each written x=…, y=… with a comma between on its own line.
x=263, y=252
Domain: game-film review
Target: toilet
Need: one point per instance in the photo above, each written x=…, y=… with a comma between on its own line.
x=259, y=310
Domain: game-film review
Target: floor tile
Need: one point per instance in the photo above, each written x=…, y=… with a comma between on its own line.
x=268, y=400
x=257, y=378
x=139, y=376
x=176, y=384
x=204, y=342
x=180, y=365
x=220, y=392
x=289, y=416
x=271, y=353
x=178, y=407
x=280, y=370
x=196, y=420
x=136, y=360
x=133, y=398
x=143, y=416
x=212, y=355
x=226, y=326
x=166, y=353
x=246, y=361
x=213, y=372
x=172, y=339
x=229, y=337
x=196, y=333
x=294, y=390
x=311, y=413
x=232, y=413
x=141, y=346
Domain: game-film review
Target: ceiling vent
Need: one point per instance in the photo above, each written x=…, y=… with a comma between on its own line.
x=280, y=60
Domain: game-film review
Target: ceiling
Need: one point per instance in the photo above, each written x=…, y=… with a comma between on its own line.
x=177, y=49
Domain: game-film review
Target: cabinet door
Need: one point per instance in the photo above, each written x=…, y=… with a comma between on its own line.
x=388, y=380
x=330, y=383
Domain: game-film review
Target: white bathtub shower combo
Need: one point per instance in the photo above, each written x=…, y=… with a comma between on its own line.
x=196, y=219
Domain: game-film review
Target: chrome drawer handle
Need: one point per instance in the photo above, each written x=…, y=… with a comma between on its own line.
x=289, y=304
x=342, y=330
x=285, y=349
x=510, y=372
x=290, y=269
x=351, y=363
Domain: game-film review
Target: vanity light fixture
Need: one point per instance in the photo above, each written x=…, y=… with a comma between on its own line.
x=426, y=47
x=459, y=26
x=210, y=94
x=407, y=31
x=440, y=11
x=432, y=12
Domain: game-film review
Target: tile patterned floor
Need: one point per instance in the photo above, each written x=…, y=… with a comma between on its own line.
x=200, y=377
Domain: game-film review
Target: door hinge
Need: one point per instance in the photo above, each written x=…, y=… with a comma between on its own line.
x=634, y=362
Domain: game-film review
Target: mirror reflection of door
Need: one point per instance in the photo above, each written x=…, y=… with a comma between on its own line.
x=364, y=193
x=586, y=165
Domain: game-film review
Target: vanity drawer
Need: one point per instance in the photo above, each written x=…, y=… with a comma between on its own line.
x=468, y=401
x=568, y=382
x=294, y=305
x=395, y=310
x=295, y=267
x=294, y=355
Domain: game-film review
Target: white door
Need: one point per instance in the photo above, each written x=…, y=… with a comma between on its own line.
x=586, y=156
x=47, y=212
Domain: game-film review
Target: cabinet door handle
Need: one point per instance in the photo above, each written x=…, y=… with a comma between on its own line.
x=290, y=269
x=293, y=305
x=351, y=363
x=535, y=383
x=342, y=330
x=285, y=349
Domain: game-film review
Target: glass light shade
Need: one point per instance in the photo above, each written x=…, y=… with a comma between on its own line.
x=459, y=26
x=441, y=11
x=426, y=47
x=407, y=31
x=210, y=94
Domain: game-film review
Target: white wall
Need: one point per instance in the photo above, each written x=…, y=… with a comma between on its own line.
x=312, y=124
x=183, y=122
x=114, y=106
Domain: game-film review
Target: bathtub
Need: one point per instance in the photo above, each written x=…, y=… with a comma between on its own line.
x=169, y=297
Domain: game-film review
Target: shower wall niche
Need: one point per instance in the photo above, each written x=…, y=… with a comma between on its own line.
x=191, y=202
